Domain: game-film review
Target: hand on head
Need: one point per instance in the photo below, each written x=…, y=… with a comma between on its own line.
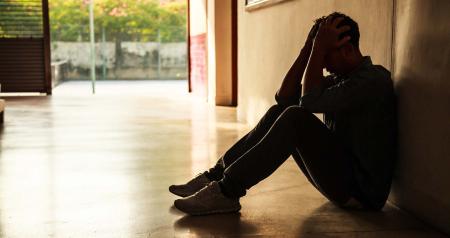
x=327, y=37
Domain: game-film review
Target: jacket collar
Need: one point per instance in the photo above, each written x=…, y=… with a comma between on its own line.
x=366, y=62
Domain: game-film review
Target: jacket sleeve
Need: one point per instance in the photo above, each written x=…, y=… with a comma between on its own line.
x=345, y=95
x=288, y=101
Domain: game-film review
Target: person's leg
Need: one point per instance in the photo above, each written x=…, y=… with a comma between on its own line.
x=236, y=151
x=325, y=160
x=298, y=159
x=245, y=143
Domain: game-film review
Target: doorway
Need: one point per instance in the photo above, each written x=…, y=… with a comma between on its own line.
x=130, y=40
x=212, y=44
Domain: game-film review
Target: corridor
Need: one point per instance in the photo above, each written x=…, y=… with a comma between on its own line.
x=81, y=165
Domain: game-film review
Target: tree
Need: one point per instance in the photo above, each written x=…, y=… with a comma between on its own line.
x=173, y=22
x=122, y=20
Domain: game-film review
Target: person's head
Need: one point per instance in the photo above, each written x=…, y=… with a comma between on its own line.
x=348, y=56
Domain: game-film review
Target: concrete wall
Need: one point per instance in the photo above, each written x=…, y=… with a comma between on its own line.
x=421, y=73
x=270, y=39
x=418, y=52
x=136, y=60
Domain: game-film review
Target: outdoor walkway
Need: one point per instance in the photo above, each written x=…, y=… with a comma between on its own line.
x=78, y=165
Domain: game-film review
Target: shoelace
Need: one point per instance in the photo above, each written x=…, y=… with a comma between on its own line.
x=202, y=192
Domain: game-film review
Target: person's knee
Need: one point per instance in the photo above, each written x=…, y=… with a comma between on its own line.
x=296, y=111
x=276, y=109
x=296, y=114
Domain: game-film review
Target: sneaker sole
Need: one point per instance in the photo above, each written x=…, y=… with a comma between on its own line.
x=214, y=212
x=210, y=212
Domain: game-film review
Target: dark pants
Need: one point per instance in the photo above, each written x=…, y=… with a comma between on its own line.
x=283, y=132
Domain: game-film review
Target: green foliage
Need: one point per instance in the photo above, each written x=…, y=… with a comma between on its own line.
x=20, y=19
x=122, y=20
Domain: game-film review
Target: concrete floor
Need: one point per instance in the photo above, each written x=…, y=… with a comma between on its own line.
x=77, y=165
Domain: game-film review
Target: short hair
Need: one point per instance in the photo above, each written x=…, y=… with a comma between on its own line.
x=347, y=21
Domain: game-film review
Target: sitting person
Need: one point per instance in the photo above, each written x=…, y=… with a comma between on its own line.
x=350, y=157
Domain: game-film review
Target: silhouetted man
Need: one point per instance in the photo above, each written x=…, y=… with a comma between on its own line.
x=350, y=157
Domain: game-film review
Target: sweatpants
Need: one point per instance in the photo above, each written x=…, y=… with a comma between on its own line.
x=282, y=132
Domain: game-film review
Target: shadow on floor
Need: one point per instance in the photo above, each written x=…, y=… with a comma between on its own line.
x=329, y=220
x=220, y=224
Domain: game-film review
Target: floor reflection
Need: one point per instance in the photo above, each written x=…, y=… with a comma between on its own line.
x=219, y=225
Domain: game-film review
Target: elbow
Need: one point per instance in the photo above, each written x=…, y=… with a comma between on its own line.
x=318, y=107
x=309, y=106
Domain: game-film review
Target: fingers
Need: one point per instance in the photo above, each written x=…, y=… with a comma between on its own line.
x=343, y=29
x=336, y=22
x=343, y=41
x=333, y=23
x=328, y=20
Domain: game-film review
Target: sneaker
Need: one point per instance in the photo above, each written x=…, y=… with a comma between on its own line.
x=191, y=187
x=209, y=200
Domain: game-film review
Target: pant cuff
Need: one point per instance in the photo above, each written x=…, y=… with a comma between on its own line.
x=232, y=188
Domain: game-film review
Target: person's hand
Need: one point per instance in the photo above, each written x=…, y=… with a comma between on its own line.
x=327, y=37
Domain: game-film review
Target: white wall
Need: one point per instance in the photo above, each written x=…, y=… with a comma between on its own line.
x=211, y=26
x=197, y=17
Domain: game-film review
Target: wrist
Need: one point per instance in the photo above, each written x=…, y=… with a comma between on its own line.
x=307, y=46
x=306, y=51
x=317, y=50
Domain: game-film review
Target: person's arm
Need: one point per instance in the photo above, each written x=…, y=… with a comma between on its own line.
x=348, y=94
x=327, y=39
x=291, y=83
x=314, y=72
x=290, y=89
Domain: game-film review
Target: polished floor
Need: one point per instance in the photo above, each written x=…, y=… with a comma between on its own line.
x=78, y=165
